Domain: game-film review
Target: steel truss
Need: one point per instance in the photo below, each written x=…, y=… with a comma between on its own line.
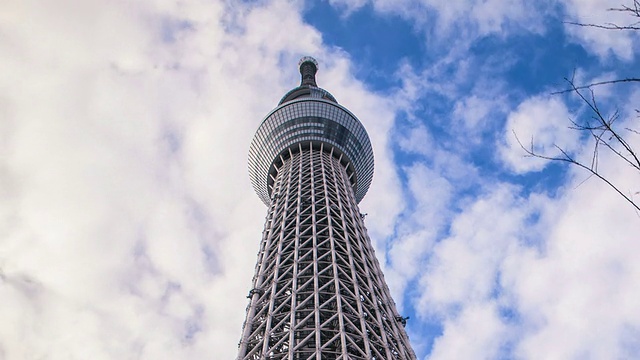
x=318, y=291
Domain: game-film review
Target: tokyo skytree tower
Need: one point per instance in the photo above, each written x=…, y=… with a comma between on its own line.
x=318, y=291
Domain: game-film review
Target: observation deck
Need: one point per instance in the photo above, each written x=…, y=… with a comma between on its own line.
x=310, y=116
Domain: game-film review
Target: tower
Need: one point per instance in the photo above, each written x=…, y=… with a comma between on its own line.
x=318, y=290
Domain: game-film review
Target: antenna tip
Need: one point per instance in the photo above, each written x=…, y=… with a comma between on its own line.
x=308, y=68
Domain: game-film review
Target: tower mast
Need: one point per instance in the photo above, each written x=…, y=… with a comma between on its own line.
x=318, y=290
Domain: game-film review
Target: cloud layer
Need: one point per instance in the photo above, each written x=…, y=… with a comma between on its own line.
x=128, y=227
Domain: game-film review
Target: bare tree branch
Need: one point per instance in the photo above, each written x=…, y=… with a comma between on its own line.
x=568, y=159
x=633, y=12
x=607, y=26
x=599, y=126
x=589, y=86
x=606, y=126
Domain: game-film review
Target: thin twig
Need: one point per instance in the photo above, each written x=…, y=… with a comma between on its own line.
x=607, y=26
x=589, y=86
x=606, y=125
x=570, y=160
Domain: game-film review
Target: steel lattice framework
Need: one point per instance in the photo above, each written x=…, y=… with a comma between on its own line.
x=318, y=291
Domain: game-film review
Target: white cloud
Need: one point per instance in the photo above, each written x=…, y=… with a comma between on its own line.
x=604, y=43
x=489, y=334
x=417, y=230
x=128, y=223
x=418, y=141
x=475, y=115
x=578, y=297
x=100, y=218
x=562, y=270
x=489, y=17
x=539, y=121
x=472, y=111
x=463, y=267
x=461, y=282
x=473, y=18
x=129, y=226
x=349, y=6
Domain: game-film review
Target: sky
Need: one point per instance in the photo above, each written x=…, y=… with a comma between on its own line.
x=129, y=228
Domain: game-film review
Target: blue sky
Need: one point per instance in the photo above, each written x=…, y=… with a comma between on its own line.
x=129, y=228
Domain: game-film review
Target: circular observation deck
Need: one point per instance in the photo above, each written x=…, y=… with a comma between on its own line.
x=310, y=121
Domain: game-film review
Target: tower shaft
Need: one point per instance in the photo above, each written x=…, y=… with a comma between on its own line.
x=318, y=291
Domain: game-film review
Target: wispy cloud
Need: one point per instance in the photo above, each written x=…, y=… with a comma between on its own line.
x=129, y=228
x=540, y=124
x=605, y=43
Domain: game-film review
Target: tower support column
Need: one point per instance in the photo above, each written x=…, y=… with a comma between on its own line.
x=319, y=289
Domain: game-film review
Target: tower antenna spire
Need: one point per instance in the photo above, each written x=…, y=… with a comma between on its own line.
x=308, y=69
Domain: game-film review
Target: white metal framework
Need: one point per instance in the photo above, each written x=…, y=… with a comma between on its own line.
x=318, y=290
